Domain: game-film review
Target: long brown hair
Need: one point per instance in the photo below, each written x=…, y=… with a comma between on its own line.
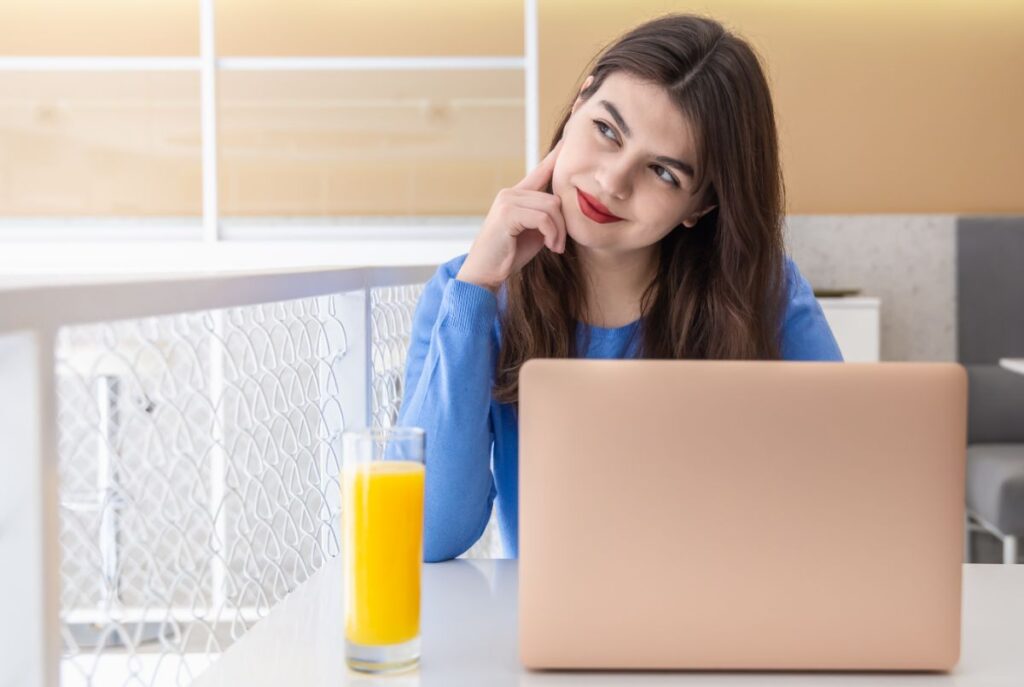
x=719, y=287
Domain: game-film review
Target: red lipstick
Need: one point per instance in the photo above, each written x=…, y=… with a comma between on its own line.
x=592, y=208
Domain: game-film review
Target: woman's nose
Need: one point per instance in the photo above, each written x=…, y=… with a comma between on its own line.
x=615, y=179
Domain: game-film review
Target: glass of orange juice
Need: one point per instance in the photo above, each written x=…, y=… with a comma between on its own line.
x=383, y=473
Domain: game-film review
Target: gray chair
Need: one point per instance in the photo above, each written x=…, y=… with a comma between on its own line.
x=995, y=456
x=990, y=294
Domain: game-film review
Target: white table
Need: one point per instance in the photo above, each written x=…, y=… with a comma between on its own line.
x=469, y=638
x=1013, y=364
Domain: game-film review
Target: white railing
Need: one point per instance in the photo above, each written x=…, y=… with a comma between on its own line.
x=171, y=456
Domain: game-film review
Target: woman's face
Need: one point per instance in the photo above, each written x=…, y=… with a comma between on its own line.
x=629, y=147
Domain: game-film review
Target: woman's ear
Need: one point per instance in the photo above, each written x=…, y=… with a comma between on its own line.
x=691, y=221
x=579, y=98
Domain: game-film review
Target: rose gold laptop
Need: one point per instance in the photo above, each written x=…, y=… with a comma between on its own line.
x=740, y=515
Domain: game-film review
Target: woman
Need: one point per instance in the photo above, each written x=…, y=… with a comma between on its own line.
x=652, y=229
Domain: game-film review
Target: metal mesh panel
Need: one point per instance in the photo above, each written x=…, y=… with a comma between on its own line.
x=391, y=310
x=391, y=324
x=199, y=471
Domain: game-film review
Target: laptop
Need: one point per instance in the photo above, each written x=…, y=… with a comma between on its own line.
x=740, y=515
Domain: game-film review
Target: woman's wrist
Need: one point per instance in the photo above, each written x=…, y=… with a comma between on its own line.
x=470, y=279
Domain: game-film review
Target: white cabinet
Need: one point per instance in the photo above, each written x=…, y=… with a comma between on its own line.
x=855, y=322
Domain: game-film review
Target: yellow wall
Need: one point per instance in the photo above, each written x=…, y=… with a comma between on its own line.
x=883, y=106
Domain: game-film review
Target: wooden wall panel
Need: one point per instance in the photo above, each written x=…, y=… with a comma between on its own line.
x=99, y=143
x=99, y=28
x=884, y=106
x=370, y=27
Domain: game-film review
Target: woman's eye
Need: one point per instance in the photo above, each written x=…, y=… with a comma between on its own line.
x=602, y=127
x=658, y=169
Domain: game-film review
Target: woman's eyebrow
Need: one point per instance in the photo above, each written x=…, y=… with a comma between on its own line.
x=614, y=112
x=683, y=167
x=678, y=164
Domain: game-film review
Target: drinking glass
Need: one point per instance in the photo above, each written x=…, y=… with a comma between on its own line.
x=383, y=475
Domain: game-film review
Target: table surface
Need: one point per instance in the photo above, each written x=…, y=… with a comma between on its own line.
x=1015, y=364
x=469, y=638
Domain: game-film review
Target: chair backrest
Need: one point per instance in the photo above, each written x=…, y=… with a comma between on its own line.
x=995, y=405
x=990, y=324
x=990, y=289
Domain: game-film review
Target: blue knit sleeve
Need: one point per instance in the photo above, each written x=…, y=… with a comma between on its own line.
x=805, y=332
x=448, y=383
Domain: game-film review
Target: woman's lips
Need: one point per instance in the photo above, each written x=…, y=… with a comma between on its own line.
x=593, y=209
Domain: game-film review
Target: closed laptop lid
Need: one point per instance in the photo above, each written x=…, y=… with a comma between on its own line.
x=740, y=514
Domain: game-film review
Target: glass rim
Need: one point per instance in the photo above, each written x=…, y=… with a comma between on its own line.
x=386, y=433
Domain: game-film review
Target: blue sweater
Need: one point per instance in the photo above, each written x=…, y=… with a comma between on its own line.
x=472, y=442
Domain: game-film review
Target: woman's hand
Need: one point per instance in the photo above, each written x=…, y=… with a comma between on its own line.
x=522, y=220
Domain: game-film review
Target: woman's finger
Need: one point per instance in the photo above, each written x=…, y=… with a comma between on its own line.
x=528, y=218
x=545, y=202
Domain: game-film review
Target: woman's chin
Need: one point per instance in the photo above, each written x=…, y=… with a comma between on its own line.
x=589, y=234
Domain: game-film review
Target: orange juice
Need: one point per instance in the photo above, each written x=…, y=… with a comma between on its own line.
x=382, y=510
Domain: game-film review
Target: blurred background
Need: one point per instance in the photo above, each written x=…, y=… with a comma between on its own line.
x=319, y=122
x=900, y=107
x=206, y=140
